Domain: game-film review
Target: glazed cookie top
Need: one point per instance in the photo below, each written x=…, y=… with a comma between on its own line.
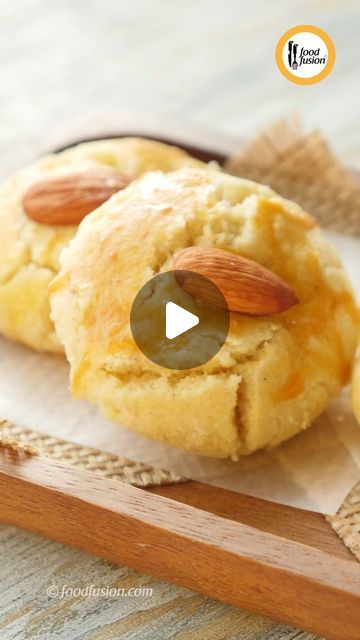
x=136, y=234
x=31, y=243
x=25, y=241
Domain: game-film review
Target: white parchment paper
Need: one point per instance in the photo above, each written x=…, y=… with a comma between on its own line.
x=314, y=470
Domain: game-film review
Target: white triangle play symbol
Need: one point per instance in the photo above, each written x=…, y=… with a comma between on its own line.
x=178, y=320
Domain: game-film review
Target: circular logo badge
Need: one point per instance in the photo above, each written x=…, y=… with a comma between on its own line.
x=305, y=54
x=177, y=330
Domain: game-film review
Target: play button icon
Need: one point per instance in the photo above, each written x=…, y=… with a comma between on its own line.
x=178, y=320
x=174, y=329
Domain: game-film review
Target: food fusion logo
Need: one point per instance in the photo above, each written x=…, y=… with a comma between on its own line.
x=305, y=54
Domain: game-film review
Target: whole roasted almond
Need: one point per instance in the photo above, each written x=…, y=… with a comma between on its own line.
x=67, y=199
x=247, y=286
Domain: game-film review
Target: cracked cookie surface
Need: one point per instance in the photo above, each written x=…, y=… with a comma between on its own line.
x=29, y=254
x=273, y=376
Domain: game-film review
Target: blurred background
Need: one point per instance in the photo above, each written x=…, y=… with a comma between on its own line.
x=203, y=61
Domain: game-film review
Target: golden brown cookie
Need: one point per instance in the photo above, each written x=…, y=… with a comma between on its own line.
x=274, y=374
x=38, y=218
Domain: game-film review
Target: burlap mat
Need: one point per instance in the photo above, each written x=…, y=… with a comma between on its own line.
x=301, y=166
x=346, y=522
x=105, y=464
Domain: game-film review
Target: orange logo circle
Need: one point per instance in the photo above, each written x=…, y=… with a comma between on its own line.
x=305, y=54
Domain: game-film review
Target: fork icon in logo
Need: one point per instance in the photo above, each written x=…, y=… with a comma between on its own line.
x=293, y=47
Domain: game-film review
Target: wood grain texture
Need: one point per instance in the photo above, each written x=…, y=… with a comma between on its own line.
x=232, y=561
x=307, y=527
x=208, y=62
x=27, y=613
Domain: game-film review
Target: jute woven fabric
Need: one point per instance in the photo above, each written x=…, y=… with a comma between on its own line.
x=346, y=522
x=100, y=462
x=301, y=166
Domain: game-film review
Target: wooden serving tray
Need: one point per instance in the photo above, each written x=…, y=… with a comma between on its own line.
x=280, y=561
x=275, y=560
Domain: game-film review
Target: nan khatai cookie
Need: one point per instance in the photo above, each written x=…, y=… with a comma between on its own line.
x=40, y=209
x=275, y=373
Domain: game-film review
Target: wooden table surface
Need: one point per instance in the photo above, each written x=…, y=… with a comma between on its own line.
x=208, y=62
